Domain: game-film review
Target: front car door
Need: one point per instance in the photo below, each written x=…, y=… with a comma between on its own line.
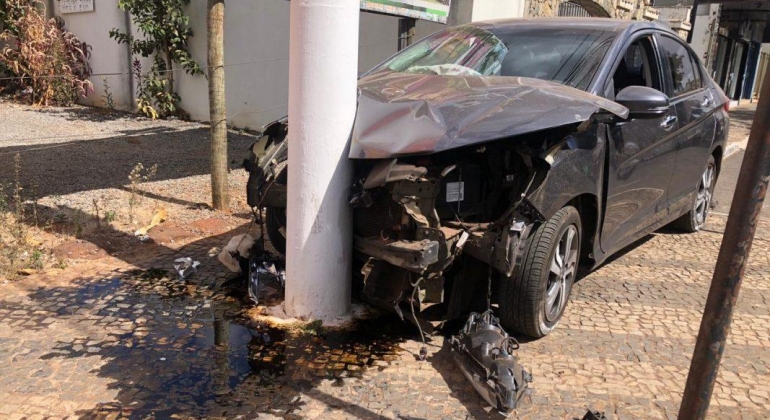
x=641, y=151
x=694, y=108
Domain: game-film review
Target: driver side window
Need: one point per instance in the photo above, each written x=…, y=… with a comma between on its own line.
x=637, y=67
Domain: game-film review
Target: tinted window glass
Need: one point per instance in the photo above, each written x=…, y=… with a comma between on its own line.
x=464, y=50
x=680, y=66
x=568, y=56
x=637, y=67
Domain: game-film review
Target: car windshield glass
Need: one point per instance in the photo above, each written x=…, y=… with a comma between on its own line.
x=462, y=50
x=568, y=56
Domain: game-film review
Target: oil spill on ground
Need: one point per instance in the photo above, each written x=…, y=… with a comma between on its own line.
x=175, y=347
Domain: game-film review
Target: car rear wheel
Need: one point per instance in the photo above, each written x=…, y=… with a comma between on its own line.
x=694, y=219
x=533, y=300
x=275, y=225
x=275, y=217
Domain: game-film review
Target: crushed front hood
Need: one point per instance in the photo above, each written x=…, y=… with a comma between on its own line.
x=406, y=114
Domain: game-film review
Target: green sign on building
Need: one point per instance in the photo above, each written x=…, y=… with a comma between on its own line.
x=433, y=10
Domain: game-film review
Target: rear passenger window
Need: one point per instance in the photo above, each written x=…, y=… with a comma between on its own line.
x=684, y=75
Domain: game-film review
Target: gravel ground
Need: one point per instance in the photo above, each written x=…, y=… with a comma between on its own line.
x=75, y=162
x=25, y=125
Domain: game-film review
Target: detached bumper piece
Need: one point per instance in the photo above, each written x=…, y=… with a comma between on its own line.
x=263, y=266
x=485, y=354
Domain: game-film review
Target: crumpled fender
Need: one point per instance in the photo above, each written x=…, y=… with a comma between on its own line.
x=401, y=114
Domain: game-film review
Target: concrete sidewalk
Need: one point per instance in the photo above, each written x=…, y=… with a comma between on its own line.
x=741, y=118
x=740, y=127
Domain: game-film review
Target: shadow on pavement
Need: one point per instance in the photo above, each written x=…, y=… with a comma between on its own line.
x=90, y=114
x=460, y=388
x=84, y=165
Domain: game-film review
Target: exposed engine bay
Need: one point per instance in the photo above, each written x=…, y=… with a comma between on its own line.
x=426, y=226
x=415, y=217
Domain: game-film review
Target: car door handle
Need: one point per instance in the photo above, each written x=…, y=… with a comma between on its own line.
x=706, y=103
x=668, y=122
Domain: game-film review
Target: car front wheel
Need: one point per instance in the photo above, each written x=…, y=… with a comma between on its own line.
x=533, y=300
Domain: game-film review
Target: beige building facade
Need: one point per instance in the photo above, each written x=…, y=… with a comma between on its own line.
x=619, y=9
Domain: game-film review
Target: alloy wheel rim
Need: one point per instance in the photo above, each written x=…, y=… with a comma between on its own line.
x=703, y=199
x=561, y=274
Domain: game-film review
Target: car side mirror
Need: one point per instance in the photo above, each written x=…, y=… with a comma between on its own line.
x=643, y=102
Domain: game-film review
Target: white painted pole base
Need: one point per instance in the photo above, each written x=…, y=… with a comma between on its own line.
x=323, y=62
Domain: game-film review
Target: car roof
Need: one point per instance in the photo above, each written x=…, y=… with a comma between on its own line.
x=601, y=24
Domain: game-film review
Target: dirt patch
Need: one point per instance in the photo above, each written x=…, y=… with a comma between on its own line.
x=79, y=250
x=211, y=225
x=170, y=235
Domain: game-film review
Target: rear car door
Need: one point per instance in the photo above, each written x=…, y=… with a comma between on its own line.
x=641, y=151
x=694, y=107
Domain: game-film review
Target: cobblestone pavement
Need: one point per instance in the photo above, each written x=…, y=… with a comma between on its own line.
x=115, y=342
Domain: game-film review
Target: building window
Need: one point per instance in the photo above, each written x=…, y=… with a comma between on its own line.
x=571, y=9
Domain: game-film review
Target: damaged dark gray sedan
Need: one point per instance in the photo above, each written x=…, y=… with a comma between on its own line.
x=491, y=159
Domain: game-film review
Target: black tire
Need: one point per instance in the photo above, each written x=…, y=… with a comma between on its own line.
x=523, y=304
x=275, y=217
x=275, y=225
x=695, y=218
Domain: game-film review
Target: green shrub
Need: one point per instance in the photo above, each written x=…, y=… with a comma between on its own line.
x=165, y=30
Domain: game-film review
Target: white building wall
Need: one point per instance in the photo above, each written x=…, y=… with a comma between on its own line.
x=257, y=60
x=256, y=53
x=704, y=31
x=497, y=9
x=107, y=57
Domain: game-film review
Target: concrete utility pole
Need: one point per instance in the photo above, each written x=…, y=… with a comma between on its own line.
x=323, y=69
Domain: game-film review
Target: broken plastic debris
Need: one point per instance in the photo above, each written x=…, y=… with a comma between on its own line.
x=594, y=415
x=239, y=245
x=185, y=266
x=261, y=271
x=160, y=216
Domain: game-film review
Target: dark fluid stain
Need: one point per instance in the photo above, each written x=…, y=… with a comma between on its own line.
x=190, y=350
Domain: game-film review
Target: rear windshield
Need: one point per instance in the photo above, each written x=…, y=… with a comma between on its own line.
x=567, y=56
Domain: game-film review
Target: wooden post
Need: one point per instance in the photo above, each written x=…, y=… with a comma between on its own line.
x=731, y=263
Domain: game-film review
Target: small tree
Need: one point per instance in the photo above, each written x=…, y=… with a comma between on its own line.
x=218, y=113
x=166, y=30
